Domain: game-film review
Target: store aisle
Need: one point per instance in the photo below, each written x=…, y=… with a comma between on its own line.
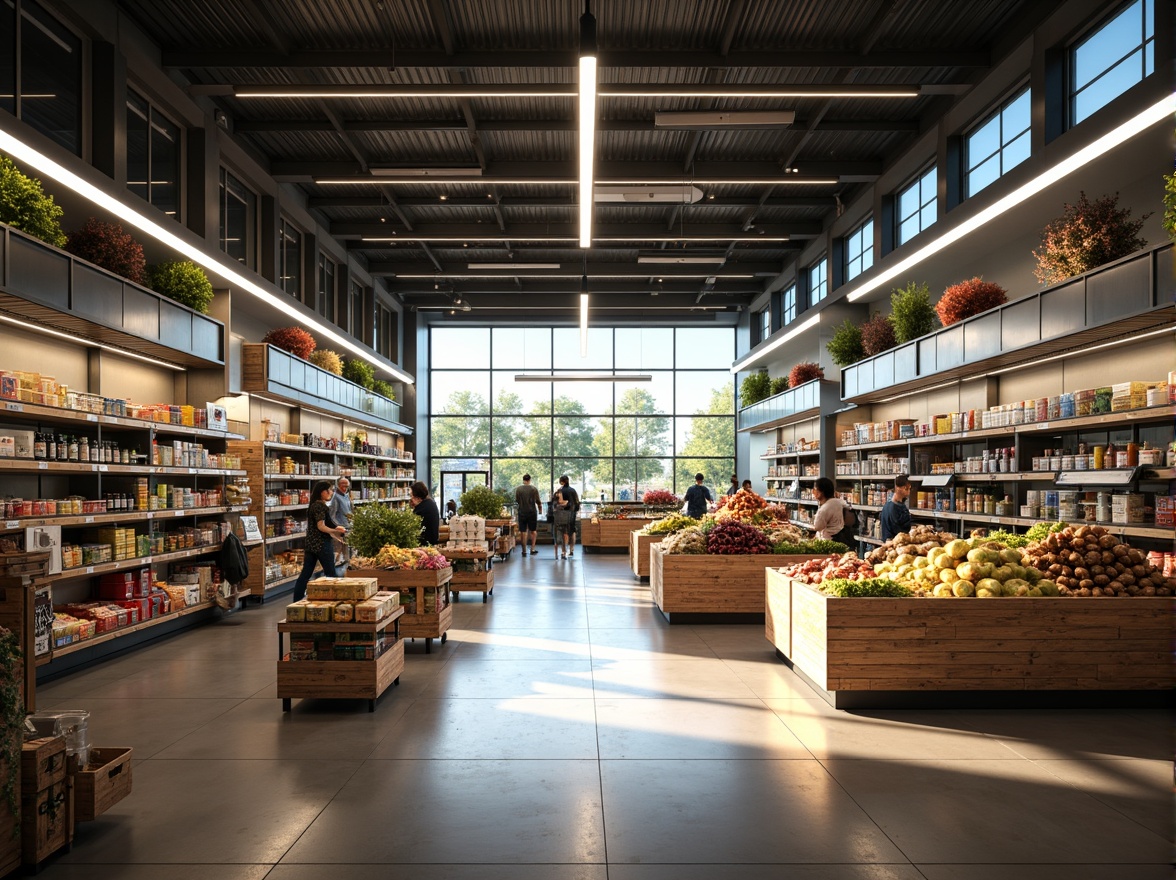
x=566, y=731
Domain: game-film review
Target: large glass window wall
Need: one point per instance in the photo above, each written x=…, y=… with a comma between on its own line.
x=614, y=440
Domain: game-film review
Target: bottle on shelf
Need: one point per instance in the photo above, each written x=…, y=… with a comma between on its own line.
x=39, y=446
x=51, y=446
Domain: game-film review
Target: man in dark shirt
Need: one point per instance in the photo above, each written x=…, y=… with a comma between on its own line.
x=426, y=508
x=527, y=504
x=565, y=502
x=734, y=487
x=698, y=497
x=895, y=516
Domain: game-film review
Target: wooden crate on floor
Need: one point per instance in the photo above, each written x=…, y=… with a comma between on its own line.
x=639, y=545
x=1023, y=644
x=105, y=782
x=9, y=823
x=700, y=584
x=418, y=621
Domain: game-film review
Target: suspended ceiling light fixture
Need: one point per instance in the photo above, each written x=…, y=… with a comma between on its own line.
x=559, y=90
x=718, y=259
x=674, y=195
x=584, y=316
x=587, y=121
x=425, y=172
x=707, y=119
x=129, y=216
x=571, y=376
x=508, y=266
x=785, y=179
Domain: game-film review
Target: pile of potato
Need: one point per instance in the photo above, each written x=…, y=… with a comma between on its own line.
x=920, y=541
x=1090, y=561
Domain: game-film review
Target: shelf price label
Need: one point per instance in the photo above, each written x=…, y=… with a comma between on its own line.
x=12, y=524
x=103, y=468
x=14, y=407
x=89, y=569
x=89, y=519
x=90, y=417
x=42, y=465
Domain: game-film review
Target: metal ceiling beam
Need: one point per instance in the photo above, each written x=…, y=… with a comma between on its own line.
x=458, y=201
x=574, y=268
x=243, y=126
x=473, y=232
x=783, y=57
x=426, y=91
x=624, y=173
x=657, y=294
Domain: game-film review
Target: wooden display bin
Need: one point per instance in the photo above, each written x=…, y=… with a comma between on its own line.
x=420, y=624
x=44, y=823
x=105, y=782
x=700, y=588
x=472, y=582
x=610, y=534
x=340, y=679
x=639, y=553
x=10, y=840
x=859, y=653
x=42, y=763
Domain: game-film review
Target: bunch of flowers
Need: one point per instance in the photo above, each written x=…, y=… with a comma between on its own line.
x=429, y=559
x=661, y=496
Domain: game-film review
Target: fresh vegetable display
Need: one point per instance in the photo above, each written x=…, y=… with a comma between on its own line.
x=403, y=559
x=815, y=571
x=690, y=540
x=865, y=588
x=675, y=522
x=731, y=537
x=1090, y=561
x=743, y=505
x=817, y=545
x=785, y=533
x=964, y=568
x=919, y=541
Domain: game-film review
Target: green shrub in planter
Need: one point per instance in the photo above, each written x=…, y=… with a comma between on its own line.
x=359, y=372
x=185, y=282
x=1170, y=205
x=755, y=388
x=911, y=312
x=846, y=345
x=779, y=384
x=375, y=526
x=482, y=501
x=384, y=389
x=24, y=205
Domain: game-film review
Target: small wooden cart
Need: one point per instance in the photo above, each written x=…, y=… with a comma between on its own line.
x=421, y=620
x=341, y=679
x=481, y=580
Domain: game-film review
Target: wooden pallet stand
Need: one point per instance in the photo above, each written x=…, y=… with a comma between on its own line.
x=472, y=582
x=339, y=679
x=639, y=545
x=105, y=781
x=859, y=653
x=418, y=624
x=700, y=588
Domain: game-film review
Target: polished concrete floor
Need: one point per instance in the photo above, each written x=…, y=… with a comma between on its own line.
x=566, y=731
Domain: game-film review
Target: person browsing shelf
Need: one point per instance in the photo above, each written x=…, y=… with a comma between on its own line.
x=426, y=508
x=896, y=516
x=320, y=529
x=829, y=523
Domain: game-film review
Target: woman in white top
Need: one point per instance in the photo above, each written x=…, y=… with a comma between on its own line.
x=829, y=519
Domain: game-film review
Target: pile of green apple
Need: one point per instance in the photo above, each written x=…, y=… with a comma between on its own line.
x=966, y=568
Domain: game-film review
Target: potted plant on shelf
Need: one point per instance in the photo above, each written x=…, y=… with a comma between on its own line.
x=384, y=389
x=1170, y=205
x=911, y=312
x=779, y=384
x=968, y=298
x=754, y=388
x=360, y=372
x=877, y=335
x=846, y=345
x=292, y=339
x=804, y=372
x=24, y=205
x=110, y=246
x=1087, y=235
x=183, y=281
x=328, y=360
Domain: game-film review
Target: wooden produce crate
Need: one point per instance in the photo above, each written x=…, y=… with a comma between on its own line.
x=24, y=564
x=610, y=534
x=472, y=582
x=690, y=588
x=421, y=623
x=44, y=823
x=639, y=553
x=42, y=763
x=401, y=579
x=105, y=781
x=907, y=652
x=10, y=841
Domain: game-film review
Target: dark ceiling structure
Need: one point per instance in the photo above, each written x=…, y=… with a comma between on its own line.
x=440, y=139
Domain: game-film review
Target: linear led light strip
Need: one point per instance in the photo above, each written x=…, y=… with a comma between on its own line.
x=587, y=130
x=128, y=215
x=89, y=343
x=783, y=180
x=1158, y=112
x=610, y=90
x=747, y=361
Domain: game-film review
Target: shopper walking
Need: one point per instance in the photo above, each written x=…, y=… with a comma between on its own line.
x=342, y=512
x=896, y=516
x=527, y=504
x=320, y=529
x=566, y=503
x=426, y=508
x=734, y=487
x=832, y=519
x=698, y=496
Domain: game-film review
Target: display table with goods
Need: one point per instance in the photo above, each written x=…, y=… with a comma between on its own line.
x=711, y=570
x=340, y=643
x=473, y=572
x=286, y=468
x=1084, y=619
x=421, y=576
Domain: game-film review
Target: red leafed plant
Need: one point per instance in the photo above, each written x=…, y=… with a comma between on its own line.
x=1086, y=236
x=292, y=339
x=661, y=496
x=804, y=372
x=733, y=538
x=878, y=335
x=968, y=298
x=110, y=246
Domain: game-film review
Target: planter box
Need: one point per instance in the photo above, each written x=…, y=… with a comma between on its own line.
x=639, y=552
x=691, y=588
x=98, y=789
x=610, y=533
x=863, y=652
